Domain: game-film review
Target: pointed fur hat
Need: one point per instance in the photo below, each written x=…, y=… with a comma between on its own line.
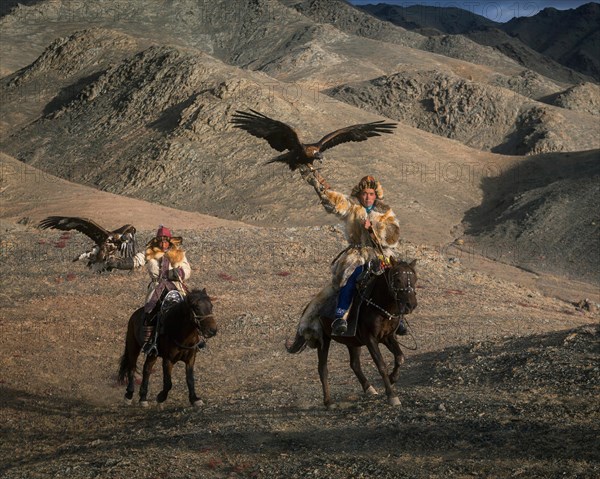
x=368, y=182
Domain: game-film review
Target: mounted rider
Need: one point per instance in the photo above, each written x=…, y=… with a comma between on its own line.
x=372, y=231
x=168, y=268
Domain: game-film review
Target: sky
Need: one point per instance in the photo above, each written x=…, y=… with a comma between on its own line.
x=498, y=11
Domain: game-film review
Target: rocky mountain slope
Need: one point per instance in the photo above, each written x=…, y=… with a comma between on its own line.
x=156, y=126
x=478, y=115
x=529, y=39
x=134, y=117
x=570, y=37
x=543, y=211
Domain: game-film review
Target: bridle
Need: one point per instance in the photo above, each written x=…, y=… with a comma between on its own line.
x=198, y=318
x=391, y=286
x=407, y=289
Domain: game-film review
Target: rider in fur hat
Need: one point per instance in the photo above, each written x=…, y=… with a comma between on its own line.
x=372, y=231
x=165, y=275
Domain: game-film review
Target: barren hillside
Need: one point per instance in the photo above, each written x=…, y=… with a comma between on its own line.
x=156, y=126
x=482, y=116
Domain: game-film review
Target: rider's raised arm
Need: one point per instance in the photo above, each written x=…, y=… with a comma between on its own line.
x=333, y=201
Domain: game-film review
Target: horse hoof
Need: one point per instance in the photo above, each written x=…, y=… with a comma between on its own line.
x=371, y=391
x=331, y=406
x=394, y=401
x=144, y=403
x=160, y=406
x=128, y=402
x=198, y=403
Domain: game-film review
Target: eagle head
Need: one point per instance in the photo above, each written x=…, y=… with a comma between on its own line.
x=313, y=153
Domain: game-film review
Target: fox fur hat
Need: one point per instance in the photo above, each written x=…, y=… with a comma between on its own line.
x=368, y=182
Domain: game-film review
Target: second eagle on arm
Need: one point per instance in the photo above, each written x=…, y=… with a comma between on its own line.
x=284, y=138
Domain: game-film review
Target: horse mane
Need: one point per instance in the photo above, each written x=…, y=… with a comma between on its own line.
x=197, y=294
x=397, y=261
x=191, y=297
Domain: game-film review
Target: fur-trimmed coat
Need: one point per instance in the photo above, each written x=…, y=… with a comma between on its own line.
x=362, y=242
x=179, y=268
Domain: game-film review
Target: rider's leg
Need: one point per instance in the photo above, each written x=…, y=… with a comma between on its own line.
x=149, y=346
x=340, y=325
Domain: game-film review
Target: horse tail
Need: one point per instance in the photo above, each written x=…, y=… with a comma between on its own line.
x=297, y=346
x=123, y=367
x=128, y=361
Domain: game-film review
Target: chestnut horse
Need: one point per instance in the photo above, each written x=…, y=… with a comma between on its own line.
x=183, y=327
x=393, y=295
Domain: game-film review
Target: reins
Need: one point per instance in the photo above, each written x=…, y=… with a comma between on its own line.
x=391, y=316
x=198, y=318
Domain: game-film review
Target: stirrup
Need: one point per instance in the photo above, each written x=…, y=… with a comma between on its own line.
x=149, y=348
x=339, y=327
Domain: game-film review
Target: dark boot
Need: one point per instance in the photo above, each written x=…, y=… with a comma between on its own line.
x=149, y=346
x=339, y=327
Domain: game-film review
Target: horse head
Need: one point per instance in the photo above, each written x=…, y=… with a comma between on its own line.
x=201, y=309
x=402, y=281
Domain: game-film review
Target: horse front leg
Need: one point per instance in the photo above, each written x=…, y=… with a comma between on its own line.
x=148, y=365
x=130, y=387
x=392, y=344
x=381, y=367
x=355, y=365
x=167, y=369
x=191, y=382
x=323, y=352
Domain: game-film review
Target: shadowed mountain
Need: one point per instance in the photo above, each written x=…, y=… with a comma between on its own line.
x=430, y=20
x=571, y=37
x=552, y=42
x=542, y=214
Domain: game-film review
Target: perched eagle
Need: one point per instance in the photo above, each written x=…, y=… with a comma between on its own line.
x=108, y=243
x=283, y=137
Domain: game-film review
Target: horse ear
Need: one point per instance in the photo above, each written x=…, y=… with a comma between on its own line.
x=204, y=290
x=413, y=263
x=393, y=261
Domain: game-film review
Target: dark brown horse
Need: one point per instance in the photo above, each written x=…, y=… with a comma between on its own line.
x=393, y=295
x=184, y=326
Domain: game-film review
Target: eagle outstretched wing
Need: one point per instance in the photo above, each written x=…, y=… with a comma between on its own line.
x=84, y=225
x=360, y=132
x=283, y=137
x=280, y=136
x=107, y=242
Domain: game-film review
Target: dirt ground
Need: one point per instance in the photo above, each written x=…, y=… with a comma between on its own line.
x=500, y=379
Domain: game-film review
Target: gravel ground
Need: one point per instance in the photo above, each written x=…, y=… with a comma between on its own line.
x=503, y=383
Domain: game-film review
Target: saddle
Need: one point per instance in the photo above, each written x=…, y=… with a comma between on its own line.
x=364, y=288
x=167, y=302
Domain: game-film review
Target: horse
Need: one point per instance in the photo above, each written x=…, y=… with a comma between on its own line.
x=183, y=327
x=393, y=295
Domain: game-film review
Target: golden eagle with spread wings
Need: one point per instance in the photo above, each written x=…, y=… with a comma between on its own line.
x=283, y=137
x=107, y=243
